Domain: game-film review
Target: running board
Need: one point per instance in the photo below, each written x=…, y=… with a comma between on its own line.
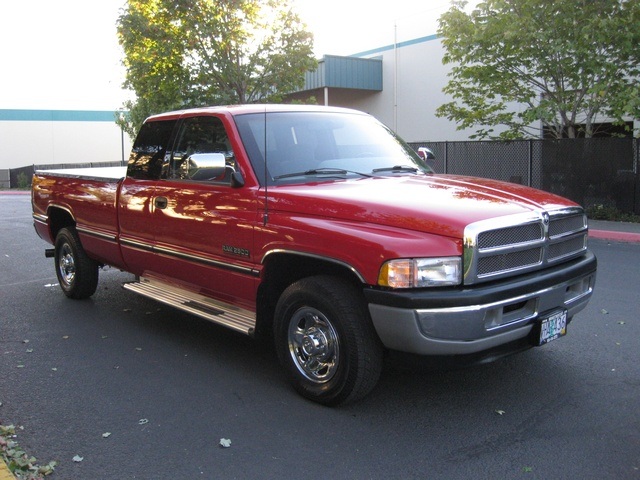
x=217, y=312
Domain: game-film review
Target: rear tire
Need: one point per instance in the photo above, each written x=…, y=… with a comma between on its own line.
x=77, y=273
x=326, y=342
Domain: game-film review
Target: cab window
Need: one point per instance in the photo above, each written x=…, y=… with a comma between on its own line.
x=149, y=149
x=202, y=152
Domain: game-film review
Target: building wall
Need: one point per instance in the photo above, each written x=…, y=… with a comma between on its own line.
x=413, y=79
x=411, y=93
x=40, y=137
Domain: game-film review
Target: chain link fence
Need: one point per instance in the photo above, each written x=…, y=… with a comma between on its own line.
x=589, y=171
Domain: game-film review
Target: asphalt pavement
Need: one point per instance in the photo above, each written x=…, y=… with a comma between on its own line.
x=575, y=386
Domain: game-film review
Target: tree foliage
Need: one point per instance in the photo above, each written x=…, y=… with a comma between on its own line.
x=522, y=65
x=187, y=53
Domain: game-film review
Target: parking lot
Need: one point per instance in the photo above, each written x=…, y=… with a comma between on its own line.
x=167, y=387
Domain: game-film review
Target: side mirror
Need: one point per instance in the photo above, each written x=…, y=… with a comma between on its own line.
x=426, y=153
x=204, y=166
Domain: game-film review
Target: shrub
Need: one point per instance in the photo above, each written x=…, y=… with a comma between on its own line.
x=602, y=212
x=23, y=180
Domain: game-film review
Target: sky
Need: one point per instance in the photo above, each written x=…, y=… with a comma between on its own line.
x=64, y=54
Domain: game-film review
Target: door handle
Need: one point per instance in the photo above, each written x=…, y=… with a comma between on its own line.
x=160, y=202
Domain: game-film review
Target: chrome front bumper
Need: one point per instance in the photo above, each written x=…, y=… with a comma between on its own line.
x=477, y=319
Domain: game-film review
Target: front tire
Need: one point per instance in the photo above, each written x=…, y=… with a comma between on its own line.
x=77, y=273
x=326, y=341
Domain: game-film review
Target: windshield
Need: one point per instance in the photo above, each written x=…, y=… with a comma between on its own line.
x=310, y=146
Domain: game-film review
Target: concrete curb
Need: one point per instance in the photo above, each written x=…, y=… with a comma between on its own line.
x=5, y=474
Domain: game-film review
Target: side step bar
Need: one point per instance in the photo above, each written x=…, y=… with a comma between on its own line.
x=217, y=312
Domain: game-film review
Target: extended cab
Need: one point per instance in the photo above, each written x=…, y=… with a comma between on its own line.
x=323, y=228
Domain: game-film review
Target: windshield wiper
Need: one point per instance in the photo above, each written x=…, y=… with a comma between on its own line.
x=396, y=168
x=320, y=171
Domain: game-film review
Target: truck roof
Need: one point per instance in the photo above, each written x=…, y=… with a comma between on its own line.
x=252, y=108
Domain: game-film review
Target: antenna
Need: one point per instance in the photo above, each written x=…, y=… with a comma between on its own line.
x=265, y=217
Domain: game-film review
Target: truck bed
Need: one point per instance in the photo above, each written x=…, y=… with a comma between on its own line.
x=96, y=173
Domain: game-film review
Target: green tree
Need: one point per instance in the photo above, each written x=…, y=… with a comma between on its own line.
x=529, y=64
x=188, y=53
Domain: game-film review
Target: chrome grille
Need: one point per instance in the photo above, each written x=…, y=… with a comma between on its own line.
x=521, y=243
x=510, y=235
x=557, y=251
x=508, y=261
x=562, y=225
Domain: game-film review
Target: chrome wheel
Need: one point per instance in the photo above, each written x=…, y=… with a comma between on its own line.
x=313, y=345
x=76, y=272
x=66, y=265
x=325, y=340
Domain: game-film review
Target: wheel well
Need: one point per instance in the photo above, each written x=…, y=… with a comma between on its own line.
x=283, y=269
x=59, y=218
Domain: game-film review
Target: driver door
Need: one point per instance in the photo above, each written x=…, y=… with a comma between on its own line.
x=203, y=225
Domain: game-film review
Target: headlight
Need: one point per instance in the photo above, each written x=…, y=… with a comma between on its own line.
x=421, y=272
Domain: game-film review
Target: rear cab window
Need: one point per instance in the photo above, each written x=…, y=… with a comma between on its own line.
x=149, y=150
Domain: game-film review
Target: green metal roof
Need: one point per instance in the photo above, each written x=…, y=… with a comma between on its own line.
x=346, y=72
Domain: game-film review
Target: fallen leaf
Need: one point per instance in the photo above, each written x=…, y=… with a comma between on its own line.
x=500, y=412
x=66, y=337
x=106, y=434
x=7, y=429
x=126, y=309
x=621, y=323
x=138, y=349
x=47, y=469
x=77, y=458
x=225, y=442
x=143, y=421
x=25, y=341
x=29, y=350
x=604, y=312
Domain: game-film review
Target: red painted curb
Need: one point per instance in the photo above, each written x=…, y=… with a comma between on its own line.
x=610, y=235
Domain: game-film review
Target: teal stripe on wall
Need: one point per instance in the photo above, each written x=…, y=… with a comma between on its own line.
x=57, y=115
x=407, y=43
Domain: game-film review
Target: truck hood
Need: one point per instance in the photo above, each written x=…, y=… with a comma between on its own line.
x=438, y=204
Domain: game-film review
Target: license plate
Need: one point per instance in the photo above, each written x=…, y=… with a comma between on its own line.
x=552, y=327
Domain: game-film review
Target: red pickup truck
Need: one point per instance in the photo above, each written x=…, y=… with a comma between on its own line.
x=324, y=229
